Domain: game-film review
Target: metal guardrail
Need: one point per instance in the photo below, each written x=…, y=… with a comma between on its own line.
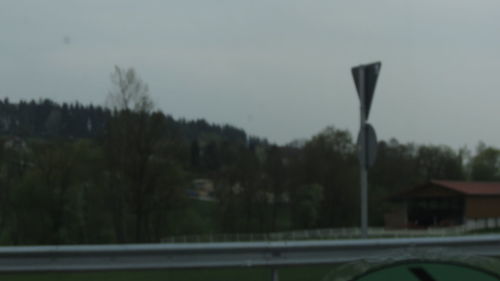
x=213, y=255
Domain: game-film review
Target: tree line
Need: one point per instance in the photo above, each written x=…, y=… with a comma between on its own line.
x=73, y=174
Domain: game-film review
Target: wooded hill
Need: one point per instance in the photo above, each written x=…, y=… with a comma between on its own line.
x=72, y=173
x=45, y=118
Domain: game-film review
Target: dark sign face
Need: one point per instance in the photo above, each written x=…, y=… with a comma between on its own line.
x=427, y=271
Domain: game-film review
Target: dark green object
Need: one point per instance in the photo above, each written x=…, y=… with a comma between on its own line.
x=427, y=271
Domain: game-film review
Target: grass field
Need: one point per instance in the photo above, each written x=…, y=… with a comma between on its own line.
x=311, y=273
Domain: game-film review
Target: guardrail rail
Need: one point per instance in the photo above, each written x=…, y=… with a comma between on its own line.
x=233, y=254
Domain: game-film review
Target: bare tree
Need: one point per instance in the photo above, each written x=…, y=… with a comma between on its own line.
x=134, y=162
x=129, y=92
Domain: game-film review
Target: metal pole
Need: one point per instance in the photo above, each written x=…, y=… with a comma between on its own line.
x=363, y=168
x=275, y=275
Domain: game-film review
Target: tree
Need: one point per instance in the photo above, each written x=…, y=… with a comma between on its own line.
x=395, y=167
x=132, y=143
x=129, y=92
x=439, y=162
x=277, y=180
x=394, y=171
x=42, y=199
x=485, y=165
x=306, y=212
x=329, y=160
x=195, y=155
x=53, y=123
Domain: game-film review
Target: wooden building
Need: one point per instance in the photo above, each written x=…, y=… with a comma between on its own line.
x=445, y=203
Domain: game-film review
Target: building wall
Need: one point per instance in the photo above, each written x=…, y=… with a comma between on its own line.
x=431, y=191
x=482, y=207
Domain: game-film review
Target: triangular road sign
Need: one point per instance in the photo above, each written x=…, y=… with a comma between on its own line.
x=371, y=72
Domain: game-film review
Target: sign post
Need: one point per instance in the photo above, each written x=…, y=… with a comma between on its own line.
x=363, y=169
x=365, y=79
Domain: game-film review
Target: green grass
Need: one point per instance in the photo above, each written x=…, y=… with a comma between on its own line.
x=241, y=274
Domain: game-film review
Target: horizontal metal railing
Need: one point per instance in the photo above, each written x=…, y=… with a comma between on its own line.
x=233, y=254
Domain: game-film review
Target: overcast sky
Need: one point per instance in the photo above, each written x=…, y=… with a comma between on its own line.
x=279, y=69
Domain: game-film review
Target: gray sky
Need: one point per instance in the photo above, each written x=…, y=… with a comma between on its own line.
x=279, y=69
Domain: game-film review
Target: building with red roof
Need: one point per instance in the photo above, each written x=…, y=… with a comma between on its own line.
x=445, y=203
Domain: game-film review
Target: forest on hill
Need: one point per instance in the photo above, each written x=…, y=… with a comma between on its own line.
x=73, y=174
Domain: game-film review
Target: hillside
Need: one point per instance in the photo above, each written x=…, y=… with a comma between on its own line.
x=45, y=118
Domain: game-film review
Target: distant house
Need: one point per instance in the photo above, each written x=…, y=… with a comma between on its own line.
x=263, y=196
x=445, y=203
x=202, y=189
x=16, y=143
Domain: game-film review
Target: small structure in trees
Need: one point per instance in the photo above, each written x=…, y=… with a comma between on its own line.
x=445, y=203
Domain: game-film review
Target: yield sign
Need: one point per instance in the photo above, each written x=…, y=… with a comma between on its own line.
x=371, y=72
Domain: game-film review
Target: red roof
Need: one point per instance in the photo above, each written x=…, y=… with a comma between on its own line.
x=470, y=188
